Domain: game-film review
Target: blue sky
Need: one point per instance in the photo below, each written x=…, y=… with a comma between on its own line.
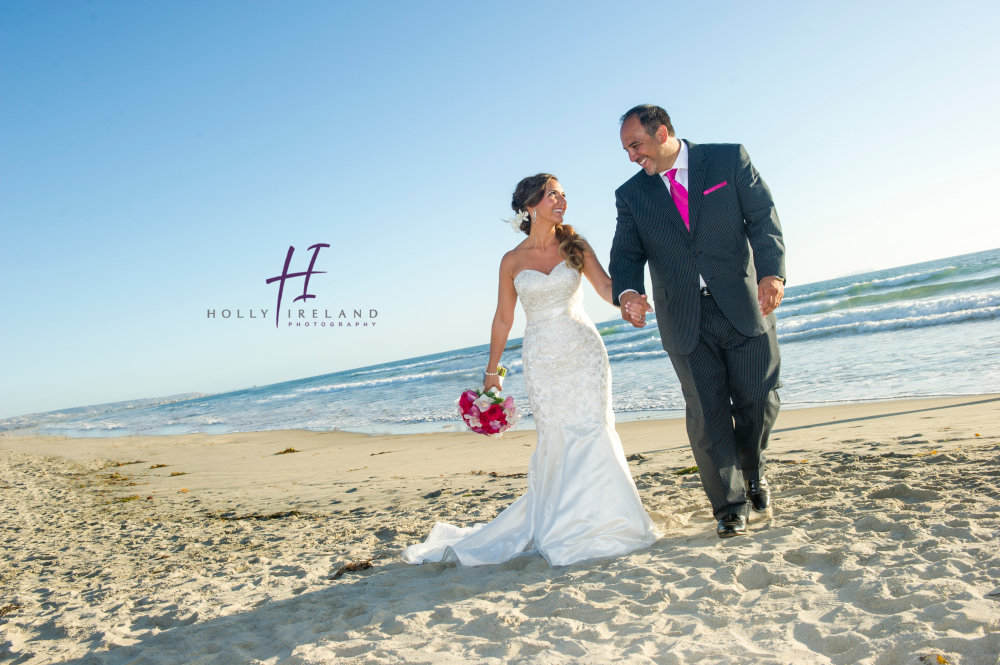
x=157, y=160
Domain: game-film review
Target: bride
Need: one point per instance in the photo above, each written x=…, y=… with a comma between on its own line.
x=581, y=502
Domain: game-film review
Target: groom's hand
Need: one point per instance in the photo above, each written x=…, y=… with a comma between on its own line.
x=634, y=308
x=770, y=291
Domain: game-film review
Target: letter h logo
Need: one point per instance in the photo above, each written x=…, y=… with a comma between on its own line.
x=286, y=275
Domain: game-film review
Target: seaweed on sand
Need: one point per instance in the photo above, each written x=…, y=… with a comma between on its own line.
x=258, y=516
x=355, y=566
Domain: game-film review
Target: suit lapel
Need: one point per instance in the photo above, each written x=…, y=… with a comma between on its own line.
x=696, y=182
x=661, y=196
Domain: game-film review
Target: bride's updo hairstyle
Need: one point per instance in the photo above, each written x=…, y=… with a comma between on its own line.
x=529, y=193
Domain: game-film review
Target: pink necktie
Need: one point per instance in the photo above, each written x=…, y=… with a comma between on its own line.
x=680, y=197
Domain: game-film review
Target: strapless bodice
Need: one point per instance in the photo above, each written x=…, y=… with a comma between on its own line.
x=541, y=294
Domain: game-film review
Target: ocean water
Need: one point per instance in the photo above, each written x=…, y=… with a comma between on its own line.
x=921, y=330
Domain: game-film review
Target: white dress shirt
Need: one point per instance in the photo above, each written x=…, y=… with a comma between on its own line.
x=681, y=164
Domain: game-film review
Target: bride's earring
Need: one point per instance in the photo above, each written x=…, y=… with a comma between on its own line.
x=534, y=214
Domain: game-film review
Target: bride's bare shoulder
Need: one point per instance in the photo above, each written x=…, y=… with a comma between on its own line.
x=512, y=260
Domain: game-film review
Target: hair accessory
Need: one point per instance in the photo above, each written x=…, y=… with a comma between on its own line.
x=515, y=221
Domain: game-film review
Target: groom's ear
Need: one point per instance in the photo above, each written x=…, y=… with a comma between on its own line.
x=662, y=134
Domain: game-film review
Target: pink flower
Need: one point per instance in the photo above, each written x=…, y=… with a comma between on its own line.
x=493, y=413
x=508, y=403
x=483, y=402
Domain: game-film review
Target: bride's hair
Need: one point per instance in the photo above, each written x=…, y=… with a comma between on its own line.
x=529, y=193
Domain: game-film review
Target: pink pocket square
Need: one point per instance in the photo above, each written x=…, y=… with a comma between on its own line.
x=712, y=189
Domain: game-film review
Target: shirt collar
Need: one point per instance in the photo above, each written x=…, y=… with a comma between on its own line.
x=682, y=159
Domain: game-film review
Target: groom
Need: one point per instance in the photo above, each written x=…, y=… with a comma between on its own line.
x=703, y=219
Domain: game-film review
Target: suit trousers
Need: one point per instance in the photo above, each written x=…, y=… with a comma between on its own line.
x=730, y=384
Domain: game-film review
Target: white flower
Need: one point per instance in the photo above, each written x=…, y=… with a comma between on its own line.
x=483, y=403
x=515, y=221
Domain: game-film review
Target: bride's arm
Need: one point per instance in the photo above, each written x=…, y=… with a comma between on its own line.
x=502, y=320
x=594, y=272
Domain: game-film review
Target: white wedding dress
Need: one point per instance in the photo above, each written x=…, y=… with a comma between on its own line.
x=581, y=501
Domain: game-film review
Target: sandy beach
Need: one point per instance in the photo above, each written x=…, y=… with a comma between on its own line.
x=882, y=548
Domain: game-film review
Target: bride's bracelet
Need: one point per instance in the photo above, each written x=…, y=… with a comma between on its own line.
x=501, y=371
x=493, y=373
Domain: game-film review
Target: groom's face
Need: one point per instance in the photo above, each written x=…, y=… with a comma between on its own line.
x=643, y=149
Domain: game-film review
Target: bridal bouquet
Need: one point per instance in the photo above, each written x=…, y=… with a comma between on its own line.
x=487, y=413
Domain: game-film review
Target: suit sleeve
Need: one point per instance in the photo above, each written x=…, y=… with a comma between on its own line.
x=628, y=257
x=761, y=217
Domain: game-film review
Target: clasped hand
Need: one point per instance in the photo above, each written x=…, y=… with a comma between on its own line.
x=634, y=308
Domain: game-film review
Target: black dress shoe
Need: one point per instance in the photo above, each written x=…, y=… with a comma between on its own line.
x=759, y=494
x=732, y=525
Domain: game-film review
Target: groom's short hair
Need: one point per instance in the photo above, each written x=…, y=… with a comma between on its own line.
x=651, y=116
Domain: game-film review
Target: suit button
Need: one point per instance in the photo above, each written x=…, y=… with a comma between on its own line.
x=694, y=284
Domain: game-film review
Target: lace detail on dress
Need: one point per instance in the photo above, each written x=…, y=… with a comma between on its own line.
x=562, y=286
x=566, y=369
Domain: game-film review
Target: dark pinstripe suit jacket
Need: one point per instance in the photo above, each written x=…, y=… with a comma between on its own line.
x=735, y=236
